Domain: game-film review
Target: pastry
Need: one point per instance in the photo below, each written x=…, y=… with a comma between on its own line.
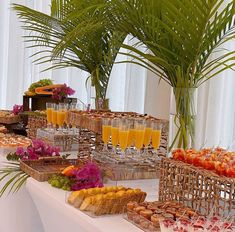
x=155, y=218
x=139, y=208
x=146, y=213
x=131, y=205
x=106, y=200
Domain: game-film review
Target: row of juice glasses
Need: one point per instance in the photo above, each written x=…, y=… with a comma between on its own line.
x=128, y=133
x=57, y=114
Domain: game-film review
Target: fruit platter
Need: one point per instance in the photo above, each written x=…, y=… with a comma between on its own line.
x=80, y=175
x=217, y=160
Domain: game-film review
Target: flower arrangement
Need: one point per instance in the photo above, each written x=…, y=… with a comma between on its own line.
x=62, y=92
x=77, y=178
x=38, y=149
x=89, y=176
x=17, y=109
x=12, y=169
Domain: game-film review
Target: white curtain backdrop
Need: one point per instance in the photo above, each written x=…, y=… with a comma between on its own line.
x=126, y=90
x=131, y=87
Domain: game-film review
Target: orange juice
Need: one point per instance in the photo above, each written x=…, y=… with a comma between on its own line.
x=139, y=138
x=54, y=117
x=131, y=137
x=114, y=136
x=106, y=132
x=61, y=117
x=156, y=137
x=123, y=138
x=147, y=136
x=66, y=117
x=49, y=115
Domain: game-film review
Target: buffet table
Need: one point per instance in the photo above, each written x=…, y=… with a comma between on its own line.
x=38, y=207
x=57, y=215
x=18, y=212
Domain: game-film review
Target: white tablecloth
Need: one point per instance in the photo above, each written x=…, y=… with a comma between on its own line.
x=18, y=212
x=58, y=216
x=38, y=207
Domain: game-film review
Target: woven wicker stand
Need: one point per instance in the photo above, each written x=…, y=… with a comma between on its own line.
x=90, y=126
x=35, y=122
x=202, y=190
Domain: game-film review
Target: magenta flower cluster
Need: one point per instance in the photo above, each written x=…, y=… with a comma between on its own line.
x=38, y=149
x=17, y=109
x=62, y=92
x=89, y=176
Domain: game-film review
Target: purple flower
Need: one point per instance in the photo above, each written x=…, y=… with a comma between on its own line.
x=38, y=149
x=20, y=151
x=87, y=177
x=17, y=109
x=38, y=144
x=62, y=92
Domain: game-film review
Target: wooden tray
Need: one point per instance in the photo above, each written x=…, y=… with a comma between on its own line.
x=42, y=169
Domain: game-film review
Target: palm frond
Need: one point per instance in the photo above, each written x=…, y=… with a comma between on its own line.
x=14, y=177
x=72, y=39
x=181, y=34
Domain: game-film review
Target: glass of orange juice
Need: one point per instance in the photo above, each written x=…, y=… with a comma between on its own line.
x=106, y=132
x=61, y=114
x=131, y=137
x=49, y=109
x=114, y=133
x=139, y=134
x=123, y=135
x=147, y=135
x=54, y=116
x=156, y=135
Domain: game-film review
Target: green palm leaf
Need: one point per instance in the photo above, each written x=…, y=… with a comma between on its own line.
x=15, y=178
x=70, y=38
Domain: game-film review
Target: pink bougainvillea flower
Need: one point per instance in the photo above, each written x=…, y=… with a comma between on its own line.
x=20, y=151
x=17, y=109
x=38, y=149
x=89, y=176
x=62, y=92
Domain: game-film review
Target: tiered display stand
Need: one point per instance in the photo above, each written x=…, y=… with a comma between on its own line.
x=90, y=126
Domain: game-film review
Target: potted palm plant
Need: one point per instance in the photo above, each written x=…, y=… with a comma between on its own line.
x=66, y=42
x=181, y=37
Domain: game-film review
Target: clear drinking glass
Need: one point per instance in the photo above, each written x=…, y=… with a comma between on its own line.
x=61, y=115
x=114, y=133
x=156, y=135
x=147, y=135
x=131, y=137
x=71, y=117
x=106, y=132
x=123, y=135
x=139, y=134
x=49, y=109
x=54, y=116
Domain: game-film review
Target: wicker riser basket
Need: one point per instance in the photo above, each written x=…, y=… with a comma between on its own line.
x=202, y=190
